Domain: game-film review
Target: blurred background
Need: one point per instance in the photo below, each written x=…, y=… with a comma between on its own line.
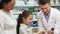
x=32, y=5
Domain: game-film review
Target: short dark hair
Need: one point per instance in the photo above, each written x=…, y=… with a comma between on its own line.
x=2, y=3
x=43, y=2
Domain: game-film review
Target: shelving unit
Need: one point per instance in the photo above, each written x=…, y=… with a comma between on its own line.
x=25, y=4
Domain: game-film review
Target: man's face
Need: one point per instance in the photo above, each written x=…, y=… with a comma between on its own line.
x=45, y=8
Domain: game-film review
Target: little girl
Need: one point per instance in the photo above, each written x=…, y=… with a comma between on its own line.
x=24, y=20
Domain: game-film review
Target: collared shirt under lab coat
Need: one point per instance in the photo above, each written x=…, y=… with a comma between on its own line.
x=24, y=29
x=7, y=23
x=53, y=22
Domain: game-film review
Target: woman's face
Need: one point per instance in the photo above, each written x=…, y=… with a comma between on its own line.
x=10, y=5
x=28, y=20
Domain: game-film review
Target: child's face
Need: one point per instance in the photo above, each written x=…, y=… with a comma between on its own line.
x=28, y=20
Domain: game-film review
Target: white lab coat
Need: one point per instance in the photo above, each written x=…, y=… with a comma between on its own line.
x=7, y=23
x=24, y=29
x=53, y=22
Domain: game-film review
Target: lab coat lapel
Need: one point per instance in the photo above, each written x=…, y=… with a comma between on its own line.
x=50, y=17
x=43, y=20
x=51, y=20
x=46, y=24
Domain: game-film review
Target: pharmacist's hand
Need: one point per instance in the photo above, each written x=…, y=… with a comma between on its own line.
x=50, y=32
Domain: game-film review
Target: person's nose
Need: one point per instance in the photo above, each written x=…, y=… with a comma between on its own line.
x=44, y=10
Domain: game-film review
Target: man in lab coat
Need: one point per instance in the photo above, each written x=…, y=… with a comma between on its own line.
x=48, y=18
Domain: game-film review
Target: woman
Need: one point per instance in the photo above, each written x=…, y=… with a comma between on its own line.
x=24, y=20
x=7, y=21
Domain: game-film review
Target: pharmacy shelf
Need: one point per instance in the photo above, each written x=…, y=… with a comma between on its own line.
x=33, y=3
